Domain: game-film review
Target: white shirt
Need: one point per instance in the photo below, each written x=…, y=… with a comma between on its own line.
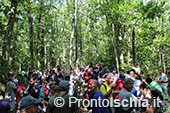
x=164, y=78
x=71, y=78
x=71, y=89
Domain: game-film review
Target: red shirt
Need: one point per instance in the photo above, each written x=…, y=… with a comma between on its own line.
x=86, y=76
x=119, y=86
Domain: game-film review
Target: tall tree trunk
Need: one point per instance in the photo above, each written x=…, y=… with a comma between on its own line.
x=42, y=50
x=76, y=34
x=121, y=45
x=80, y=37
x=163, y=60
x=31, y=34
x=112, y=32
x=39, y=34
x=7, y=38
x=160, y=56
x=133, y=44
x=72, y=32
x=129, y=41
x=64, y=49
x=114, y=46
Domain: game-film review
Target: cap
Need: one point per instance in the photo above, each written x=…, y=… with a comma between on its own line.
x=28, y=101
x=137, y=63
x=112, y=68
x=64, y=84
x=127, y=80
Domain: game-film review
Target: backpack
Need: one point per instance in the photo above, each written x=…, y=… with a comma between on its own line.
x=104, y=86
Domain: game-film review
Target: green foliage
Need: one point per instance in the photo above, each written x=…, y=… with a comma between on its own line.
x=94, y=31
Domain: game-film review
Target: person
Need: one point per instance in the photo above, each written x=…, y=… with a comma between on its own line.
x=10, y=91
x=23, y=72
x=94, y=86
x=72, y=76
x=136, y=87
x=132, y=75
x=137, y=68
x=34, y=87
x=88, y=76
x=55, y=89
x=107, y=88
x=45, y=75
x=162, y=80
x=169, y=83
x=95, y=72
x=64, y=89
x=71, y=87
x=20, y=88
x=28, y=104
x=113, y=71
x=5, y=106
x=155, y=85
x=125, y=93
x=39, y=73
x=161, y=108
x=119, y=85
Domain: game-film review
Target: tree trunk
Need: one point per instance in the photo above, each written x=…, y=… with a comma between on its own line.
x=112, y=35
x=39, y=35
x=114, y=46
x=76, y=34
x=80, y=38
x=31, y=33
x=42, y=50
x=129, y=41
x=121, y=45
x=163, y=60
x=133, y=44
x=7, y=38
x=72, y=32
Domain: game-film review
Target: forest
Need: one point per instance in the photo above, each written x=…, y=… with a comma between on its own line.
x=75, y=33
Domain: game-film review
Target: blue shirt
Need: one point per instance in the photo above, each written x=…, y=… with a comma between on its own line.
x=98, y=109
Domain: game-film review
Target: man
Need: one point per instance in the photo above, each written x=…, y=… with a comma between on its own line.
x=125, y=93
x=4, y=106
x=119, y=85
x=94, y=86
x=107, y=87
x=162, y=80
x=39, y=73
x=137, y=68
x=95, y=73
x=88, y=76
x=72, y=76
x=113, y=71
x=71, y=87
x=155, y=85
x=29, y=105
x=51, y=108
x=132, y=75
x=10, y=91
x=169, y=83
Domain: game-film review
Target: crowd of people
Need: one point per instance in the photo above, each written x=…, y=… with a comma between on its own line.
x=35, y=92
